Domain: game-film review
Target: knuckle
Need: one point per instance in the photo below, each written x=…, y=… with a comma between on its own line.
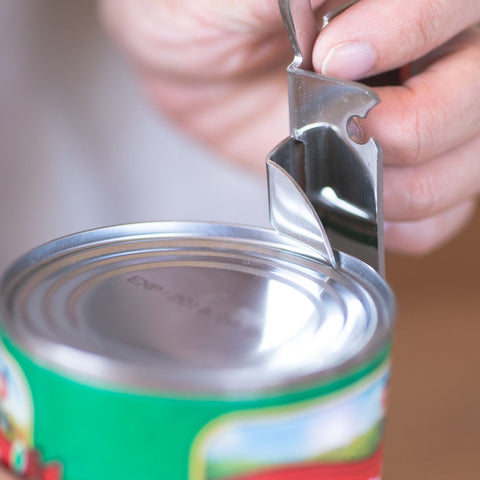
x=416, y=135
x=420, y=123
x=421, y=197
x=428, y=19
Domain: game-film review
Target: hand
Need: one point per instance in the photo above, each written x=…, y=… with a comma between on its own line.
x=217, y=67
x=429, y=127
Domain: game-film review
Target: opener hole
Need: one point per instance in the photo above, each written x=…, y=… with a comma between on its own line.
x=355, y=130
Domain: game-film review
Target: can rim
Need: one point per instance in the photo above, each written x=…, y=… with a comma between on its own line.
x=119, y=374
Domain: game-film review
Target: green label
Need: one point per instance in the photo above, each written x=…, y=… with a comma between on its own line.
x=17, y=450
x=59, y=428
x=337, y=436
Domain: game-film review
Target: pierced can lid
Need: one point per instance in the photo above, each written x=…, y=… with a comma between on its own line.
x=193, y=307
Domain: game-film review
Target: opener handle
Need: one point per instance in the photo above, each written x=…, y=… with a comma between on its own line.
x=337, y=198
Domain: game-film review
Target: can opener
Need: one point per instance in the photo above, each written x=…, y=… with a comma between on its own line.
x=324, y=187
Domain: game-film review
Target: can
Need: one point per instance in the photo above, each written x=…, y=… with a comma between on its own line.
x=178, y=350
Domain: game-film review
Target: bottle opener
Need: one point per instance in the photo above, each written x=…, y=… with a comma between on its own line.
x=325, y=187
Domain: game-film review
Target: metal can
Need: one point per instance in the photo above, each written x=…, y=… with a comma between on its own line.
x=192, y=351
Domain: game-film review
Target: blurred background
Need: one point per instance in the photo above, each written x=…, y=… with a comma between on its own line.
x=80, y=147
x=433, y=425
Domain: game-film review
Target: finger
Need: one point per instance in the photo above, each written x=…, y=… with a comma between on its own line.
x=435, y=110
x=258, y=14
x=242, y=121
x=420, y=191
x=375, y=36
x=421, y=237
x=198, y=41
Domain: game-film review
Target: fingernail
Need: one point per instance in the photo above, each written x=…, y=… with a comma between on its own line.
x=349, y=61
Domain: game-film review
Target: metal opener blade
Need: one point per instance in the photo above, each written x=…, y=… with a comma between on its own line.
x=325, y=188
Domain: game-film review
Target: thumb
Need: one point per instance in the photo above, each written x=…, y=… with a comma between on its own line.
x=375, y=36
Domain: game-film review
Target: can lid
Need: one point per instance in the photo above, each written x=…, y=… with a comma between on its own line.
x=193, y=307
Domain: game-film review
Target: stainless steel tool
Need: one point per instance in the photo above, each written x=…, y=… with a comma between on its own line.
x=325, y=188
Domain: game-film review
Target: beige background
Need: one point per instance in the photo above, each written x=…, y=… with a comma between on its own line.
x=433, y=430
